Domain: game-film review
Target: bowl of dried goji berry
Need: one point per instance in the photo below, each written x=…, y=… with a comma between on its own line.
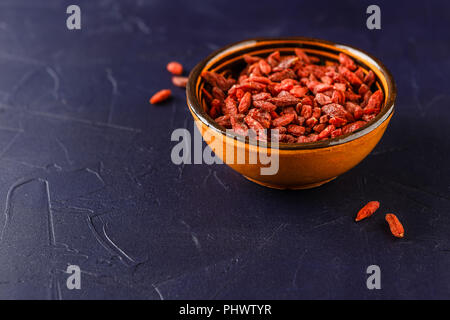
x=291, y=113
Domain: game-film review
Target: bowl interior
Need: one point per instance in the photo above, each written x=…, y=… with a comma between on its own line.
x=230, y=59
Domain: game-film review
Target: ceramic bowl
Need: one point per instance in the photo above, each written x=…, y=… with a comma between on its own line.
x=300, y=165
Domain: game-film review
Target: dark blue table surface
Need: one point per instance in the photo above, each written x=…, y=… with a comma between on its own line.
x=86, y=175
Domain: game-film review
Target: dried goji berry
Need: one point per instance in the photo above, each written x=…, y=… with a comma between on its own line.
x=245, y=102
x=262, y=117
x=230, y=106
x=261, y=96
x=223, y=121
x=375, y=100
x=313, y=137
x=338, y=97
x=299, y=91
x=284, y=99
x=264, y=66
x=274, y=58
x=215, y=108
x=367, y=210
x=216, y=80
x=394, y=224
x=260, y=79
x=322, y=99
x=324, y=119
x=239, y=93
x=350, y=76
x=363, y=89
x=253, y=124
x=316, y=112
x=319, y=127
x=302, y=55
x=311, y=122
x=296, y=130
x=160, y=96
x=338, y=122
x=238, y=126
x=265, y=105
x=353, y=126
x=306, y=111
x=283, y=120
x=336, y=133
x=250, y=59
x=180, y=81
x=327, y=131
x=359, y=73
x=346, y=61
x=175, y=68
x=274, y=115
x=368, y=117
x=369, y=79
x=281, y=130
x=334, y=110
x=281, y=75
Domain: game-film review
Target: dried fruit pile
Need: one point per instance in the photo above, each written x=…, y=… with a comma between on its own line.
x=304, y=100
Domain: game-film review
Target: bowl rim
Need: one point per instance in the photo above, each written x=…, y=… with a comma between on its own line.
x=196, y=107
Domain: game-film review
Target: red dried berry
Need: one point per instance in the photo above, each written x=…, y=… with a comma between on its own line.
x=306, y=111
x=296, y=130
x=180, y=81
x=350, y=76
x=253, y=124
x=375, y=100
x=265, y=105
x=223, y=121
x=245, y=102
x=395, y=225
x=326, y=132
x=283, y=120
x=368, y=210
x=347, y=62
x=261, y=96
x=299, y=91
x=311, y=122
x=353, y=126
x=175, y=68
x=336, y=133
x=250, y=59
x=264, y=66
x=160, y=96
x=322, y=99
x=230, y=106
x=369, y=79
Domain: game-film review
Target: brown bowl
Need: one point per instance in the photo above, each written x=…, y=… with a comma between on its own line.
x=300, y=165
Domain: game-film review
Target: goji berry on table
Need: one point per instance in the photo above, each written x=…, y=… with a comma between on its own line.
x=180, y=81
x=368, y=210
x=175, y=68
x=395, y=225
x=160, y=96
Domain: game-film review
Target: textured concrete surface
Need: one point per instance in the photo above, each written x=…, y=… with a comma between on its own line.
x=86, y=176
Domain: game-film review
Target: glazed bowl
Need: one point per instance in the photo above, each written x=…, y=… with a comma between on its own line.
x=300, y=165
